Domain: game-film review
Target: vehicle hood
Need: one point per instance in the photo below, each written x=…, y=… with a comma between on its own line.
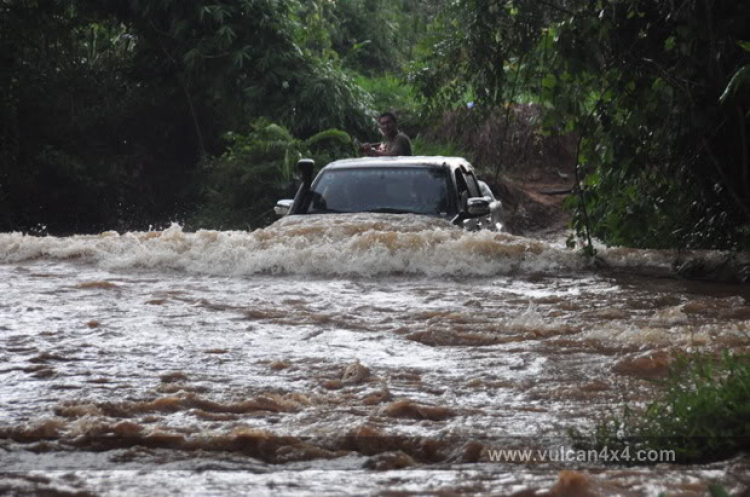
x=362, y=221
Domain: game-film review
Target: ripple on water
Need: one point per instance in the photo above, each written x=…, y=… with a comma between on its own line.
x=414, y=345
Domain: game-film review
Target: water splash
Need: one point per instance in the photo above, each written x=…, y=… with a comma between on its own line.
x=358, y=244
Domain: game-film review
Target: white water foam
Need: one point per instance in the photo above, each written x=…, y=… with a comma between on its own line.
x=358, y=244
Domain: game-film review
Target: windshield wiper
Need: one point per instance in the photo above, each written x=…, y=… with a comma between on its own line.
x=325, y=211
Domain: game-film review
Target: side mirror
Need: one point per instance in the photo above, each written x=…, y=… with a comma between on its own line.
x=282, y=207
x=478, y=206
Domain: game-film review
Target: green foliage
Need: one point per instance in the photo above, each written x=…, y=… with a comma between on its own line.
x=424, y=146
x=738, y=85
x=371, y=37
x=640, y=83
x=366, y=34
x=391, y=93
x=665, y=173
x=243, y=58
x=716, y=490
x=107, y=108
x=371, y=41
x=73, y=135
x=475, y=51
x=702, y=416
x=243, y=182
x=329, y=145
x=324, y=98
x=241, y=186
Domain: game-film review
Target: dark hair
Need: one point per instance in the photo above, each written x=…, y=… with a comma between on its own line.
x=388, y=114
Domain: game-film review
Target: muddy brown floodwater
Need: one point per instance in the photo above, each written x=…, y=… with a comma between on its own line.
x=364, y=354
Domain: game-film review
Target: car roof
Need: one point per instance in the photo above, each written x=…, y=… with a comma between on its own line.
x=405, y=161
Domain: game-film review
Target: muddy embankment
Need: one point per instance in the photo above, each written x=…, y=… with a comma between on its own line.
x=531, y=173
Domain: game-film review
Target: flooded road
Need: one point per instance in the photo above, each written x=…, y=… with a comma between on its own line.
x=361, y=354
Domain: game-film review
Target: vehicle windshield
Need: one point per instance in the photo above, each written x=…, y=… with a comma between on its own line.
x=416, y=190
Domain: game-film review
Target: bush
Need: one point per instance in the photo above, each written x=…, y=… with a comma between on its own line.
x=243, y=184
x=422, y=145
x=390, y=93
x=703, y=416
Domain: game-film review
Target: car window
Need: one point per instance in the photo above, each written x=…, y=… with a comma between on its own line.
x=418, y=190
x=471, y=182
x=462, y=188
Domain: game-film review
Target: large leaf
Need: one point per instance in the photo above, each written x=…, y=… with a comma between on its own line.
x=739, y=82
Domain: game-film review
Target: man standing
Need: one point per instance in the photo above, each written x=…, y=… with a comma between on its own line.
x=397, y=143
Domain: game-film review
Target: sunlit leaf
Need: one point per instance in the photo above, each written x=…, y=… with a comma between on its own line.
x=549, y=81
x=740, y=81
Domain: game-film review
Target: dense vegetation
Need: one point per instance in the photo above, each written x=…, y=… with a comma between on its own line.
x=657, y=93
x=702, y=415
x=110, y=111
x=122, y=114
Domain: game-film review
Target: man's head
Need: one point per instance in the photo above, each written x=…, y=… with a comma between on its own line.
x=388, y=124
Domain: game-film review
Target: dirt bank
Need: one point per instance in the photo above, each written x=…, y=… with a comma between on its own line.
x=534, y=208
x=527, y=169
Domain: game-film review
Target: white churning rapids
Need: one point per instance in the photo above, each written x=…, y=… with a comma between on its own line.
x=356, y=244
